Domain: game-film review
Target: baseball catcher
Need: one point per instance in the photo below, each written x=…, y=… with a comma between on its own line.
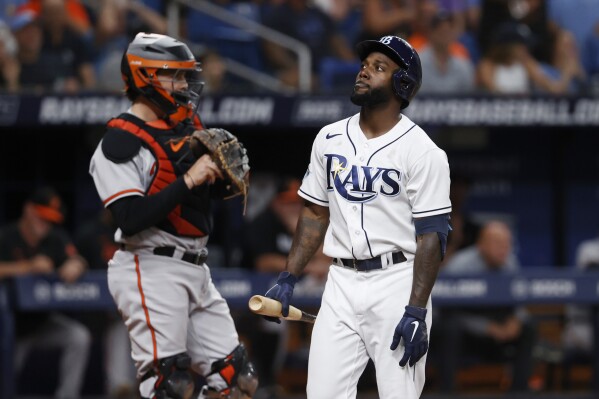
x=161, y=200
x=228, y=153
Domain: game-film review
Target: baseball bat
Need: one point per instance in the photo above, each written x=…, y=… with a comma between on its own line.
x=269, y=307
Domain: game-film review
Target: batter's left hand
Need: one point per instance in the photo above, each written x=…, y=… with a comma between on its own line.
x=412, y=328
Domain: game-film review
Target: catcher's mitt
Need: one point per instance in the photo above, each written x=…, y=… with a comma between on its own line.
x=228, y=153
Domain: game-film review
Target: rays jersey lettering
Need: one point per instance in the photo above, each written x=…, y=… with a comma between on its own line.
x=360, y=183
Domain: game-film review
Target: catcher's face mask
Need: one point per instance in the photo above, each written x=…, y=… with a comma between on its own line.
x=175, y=86
x=184, y=87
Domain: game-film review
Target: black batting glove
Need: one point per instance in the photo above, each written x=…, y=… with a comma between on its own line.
x=412, y=328
x=282, y=291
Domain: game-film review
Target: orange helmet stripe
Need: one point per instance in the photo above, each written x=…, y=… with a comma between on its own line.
x=139, y=62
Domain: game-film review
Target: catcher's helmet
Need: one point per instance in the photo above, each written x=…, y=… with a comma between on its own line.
x=407, y=80
x=149, y=53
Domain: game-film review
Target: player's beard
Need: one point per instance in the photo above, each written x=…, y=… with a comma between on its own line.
x=371, y=98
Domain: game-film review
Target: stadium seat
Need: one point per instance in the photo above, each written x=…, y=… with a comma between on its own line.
x=337, y=75
x=230, y=41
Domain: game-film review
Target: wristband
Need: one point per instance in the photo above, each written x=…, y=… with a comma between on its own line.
x=286, y=277
x=415, y=311
x=191, y=178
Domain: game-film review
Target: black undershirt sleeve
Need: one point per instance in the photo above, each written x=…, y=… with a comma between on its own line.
x=134, y=214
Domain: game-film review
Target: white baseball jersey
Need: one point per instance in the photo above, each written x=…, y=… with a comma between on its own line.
x=374, y=189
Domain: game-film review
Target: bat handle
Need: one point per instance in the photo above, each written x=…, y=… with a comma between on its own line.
x=294, y=313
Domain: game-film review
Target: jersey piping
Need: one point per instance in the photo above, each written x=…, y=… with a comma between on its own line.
x=121, y=193
x=313, y=197
x=146, y=311
x=432, y=210
x=348, y=136
x=368, y=163
x=388, y=144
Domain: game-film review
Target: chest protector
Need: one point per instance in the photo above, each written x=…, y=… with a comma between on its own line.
x=170, y=147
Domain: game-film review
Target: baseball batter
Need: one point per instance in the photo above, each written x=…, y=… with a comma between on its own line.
x=160, y=195
x=377, y=193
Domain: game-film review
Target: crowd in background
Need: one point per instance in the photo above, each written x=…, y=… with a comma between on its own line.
x=492, y=46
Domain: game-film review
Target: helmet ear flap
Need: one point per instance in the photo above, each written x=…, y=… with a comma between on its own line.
x=403, y=86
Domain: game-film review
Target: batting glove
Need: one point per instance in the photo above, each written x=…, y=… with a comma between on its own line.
x=282, y=291
x=412, y=328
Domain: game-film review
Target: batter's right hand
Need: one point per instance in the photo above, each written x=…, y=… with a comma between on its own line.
x=282, y=291
x=203, y=170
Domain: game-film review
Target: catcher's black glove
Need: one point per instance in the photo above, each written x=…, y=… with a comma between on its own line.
x=412, y=328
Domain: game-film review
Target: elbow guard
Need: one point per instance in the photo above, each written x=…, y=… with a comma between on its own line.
x=435, y=224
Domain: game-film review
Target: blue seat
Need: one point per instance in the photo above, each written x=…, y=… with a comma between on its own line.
x=337, y=75
x=469, y=41
x=228, y=40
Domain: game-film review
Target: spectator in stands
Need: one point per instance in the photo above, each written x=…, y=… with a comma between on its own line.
x=95, y=242
x=508, y=67
x=530, y=13
x=53, y=56
x=445, y=72
x=268, y=240
x=386, y=17
x=9, y=66
x=118, y=23
x=65, y=51
x=581, y=18
x=578, y=342
x=496, y=333
x=214, y=71
x=77, y=15
x=565, y=60
x=469, y=14
x=28, y=34
x=308, y=24
x=34, y=244
x=347, y=15
x=426, y=11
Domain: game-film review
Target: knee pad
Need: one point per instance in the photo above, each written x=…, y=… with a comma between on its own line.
x=174, y=378
x=238, y=373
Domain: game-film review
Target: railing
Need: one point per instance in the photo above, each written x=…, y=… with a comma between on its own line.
x=302, y=50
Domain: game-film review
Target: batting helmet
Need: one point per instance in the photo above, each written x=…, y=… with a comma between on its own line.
x=146, y=55
x=407, y=80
